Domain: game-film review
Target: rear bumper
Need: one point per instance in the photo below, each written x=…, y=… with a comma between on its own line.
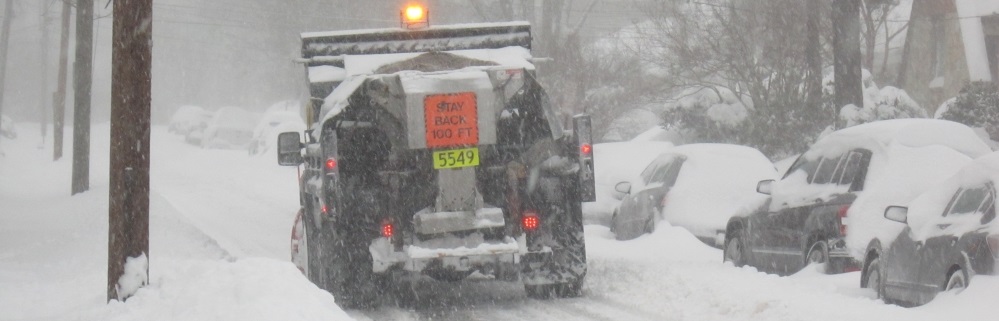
x=464, y=254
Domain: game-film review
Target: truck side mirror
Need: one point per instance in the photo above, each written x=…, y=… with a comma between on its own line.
x=289, y=149
x=765, y=187
x=581, y=128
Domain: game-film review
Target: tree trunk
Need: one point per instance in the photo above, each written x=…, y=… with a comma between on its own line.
x=82, y=78
x=813, y=56
x=130, y=120
x=59, y=99
x=43, y=112
x=8, y=15
x=847, y=57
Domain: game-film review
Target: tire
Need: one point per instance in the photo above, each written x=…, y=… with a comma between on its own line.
x=561, y=273
x=957, y=280
x=353, y=283
x=549, y=291
x=735, y=249
x=874, y=277
x=818, y=253
x=300, y=244
x=316, y=257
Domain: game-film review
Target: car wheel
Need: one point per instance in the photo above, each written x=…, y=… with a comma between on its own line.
x=957, y=280
x=875, y=278
x=735, y=249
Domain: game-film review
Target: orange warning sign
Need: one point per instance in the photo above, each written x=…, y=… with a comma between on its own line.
x=451, y=120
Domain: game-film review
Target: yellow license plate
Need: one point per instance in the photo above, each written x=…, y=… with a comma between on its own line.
x=456, y=158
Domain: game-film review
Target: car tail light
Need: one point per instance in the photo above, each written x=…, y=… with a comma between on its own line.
x=842, y=219
x=387, y=229
x=586, y=149
x=662, y=204
x=530, y=221
x=330, y=164
x=993, y=241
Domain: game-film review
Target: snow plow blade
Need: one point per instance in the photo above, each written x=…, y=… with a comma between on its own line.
x=327, y=48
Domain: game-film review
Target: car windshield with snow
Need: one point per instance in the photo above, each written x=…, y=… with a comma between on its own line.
x=827, y=207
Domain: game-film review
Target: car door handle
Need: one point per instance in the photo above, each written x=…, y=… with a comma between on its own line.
x=943, y=226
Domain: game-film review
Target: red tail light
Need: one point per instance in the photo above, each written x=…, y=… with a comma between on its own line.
x=530, y=221
x=842, y=219
x=330, y=163
x=586, y=149
x=993, y=241
x=387, y=229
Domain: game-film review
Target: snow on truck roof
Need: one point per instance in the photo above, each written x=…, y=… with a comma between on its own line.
x=337, y=33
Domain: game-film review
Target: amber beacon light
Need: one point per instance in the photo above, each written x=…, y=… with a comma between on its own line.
x=415, y=17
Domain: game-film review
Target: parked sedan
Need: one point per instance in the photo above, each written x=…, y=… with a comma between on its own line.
x=230, y=128
x=270, y=125
x=950, y=234
x=828, y=206
x=697, y=187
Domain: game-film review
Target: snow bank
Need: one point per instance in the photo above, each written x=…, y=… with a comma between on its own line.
x=245, y=290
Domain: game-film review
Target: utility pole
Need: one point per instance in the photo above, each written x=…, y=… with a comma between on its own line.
x=8, y=15
x=131, y=97
x=846, y=51
x=82, y=78
x=43, y=113
x=59, y=98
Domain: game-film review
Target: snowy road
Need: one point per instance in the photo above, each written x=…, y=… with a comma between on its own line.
x=219, y=250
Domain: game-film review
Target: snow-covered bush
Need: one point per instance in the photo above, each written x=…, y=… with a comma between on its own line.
x=879, y=103
x=977, y=105
x=708, y=114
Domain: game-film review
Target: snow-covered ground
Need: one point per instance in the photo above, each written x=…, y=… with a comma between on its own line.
x=220, y=223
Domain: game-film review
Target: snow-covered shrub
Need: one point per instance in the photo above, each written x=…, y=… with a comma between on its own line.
x=879, y=103
x=977, y=105
x=708, y=114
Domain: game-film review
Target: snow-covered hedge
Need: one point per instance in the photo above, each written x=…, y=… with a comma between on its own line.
x=977, y=105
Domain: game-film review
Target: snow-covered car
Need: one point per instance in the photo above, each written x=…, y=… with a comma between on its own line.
x=188, y=118
x=950, y=234
x=274, y=122
x=613, y=163
x=697, y=187
x=828, y=206
x=230, y=128
x=7, y=128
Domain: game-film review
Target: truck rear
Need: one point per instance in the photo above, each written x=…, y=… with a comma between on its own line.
x=436, y=152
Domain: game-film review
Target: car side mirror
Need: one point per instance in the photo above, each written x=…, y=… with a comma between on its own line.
x=289, y=149
x=623, y=187
x=897, y=213
x=765, y=187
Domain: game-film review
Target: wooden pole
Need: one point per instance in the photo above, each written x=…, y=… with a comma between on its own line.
x=82, y=78
x=846, y=50
x=59, y=98
x=130, y=121
x=8, y=15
